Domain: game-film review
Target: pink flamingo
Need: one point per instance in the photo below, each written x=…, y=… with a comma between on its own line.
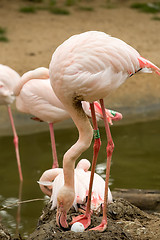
x=8, y=79
x=53, y=179
x=34, y=95
x=88, y=67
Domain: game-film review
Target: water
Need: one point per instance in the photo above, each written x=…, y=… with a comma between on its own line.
x=135, y=164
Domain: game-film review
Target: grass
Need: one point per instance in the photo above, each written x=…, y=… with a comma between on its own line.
x=69, y=3
x=85, y=8
x=3, y=37
x=52, y=2
x=59, y=11
x=49, y=7
x=53, y=6
x=156, y=18
x=28, y=9
x=2, y=30
x=35, y=1
x=147, y=7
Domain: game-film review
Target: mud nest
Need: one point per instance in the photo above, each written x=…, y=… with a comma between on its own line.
x=125, y=221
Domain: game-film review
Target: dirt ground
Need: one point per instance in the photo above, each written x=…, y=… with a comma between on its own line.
x=32, y=40
x=125, y=221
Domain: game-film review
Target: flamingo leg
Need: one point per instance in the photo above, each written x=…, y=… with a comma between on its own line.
x=110, y=148
x=15, y=140
x=18, y=217
x=53, y=144
x=85, y=219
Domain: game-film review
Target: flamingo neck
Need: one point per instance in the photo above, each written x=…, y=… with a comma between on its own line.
x=38, y=73
x=85, y=137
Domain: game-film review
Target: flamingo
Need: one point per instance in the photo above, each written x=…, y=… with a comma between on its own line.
x=88, y=67
x=34, y=95
x=8, y=79
x=53, y=179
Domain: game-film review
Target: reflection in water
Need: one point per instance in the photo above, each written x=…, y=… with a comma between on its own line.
x=135, y=164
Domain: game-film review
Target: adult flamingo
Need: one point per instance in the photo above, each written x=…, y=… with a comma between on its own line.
x=34, y=95
x=53, y=179
x=88, y=67
x=8, y=79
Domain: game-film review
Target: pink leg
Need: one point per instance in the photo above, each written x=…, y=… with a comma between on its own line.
x=86, y=218
x=15, y=140
x=18, y=218
x=110, y=148
x=54, y=153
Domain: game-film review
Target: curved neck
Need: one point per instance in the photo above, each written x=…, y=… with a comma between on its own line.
x=38, y=73
x=48, y=176
x=85, y=137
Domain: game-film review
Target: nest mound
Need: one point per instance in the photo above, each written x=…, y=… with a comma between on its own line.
x=125, y=221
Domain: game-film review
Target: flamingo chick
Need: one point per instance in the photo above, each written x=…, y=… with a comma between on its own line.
x=53, y=179
x=8, y=79
x=88, y=67
x=34, y=95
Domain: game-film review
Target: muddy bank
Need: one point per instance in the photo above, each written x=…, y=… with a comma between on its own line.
x=4, y=234
x=125, y=221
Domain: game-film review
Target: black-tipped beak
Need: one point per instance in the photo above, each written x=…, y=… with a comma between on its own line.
x=60, y=225
x=61, y=219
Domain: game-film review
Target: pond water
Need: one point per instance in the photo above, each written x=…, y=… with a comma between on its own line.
x=135, y=164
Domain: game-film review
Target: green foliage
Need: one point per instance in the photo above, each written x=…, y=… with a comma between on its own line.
x=59, y=11
x=28, y=9
x=2, y=30
x=147, y=7
x=35, y=1
x=50, y=7
x=70, y=2
x=3, y=39
x=52, y=2
x=156, y=18
x=54, y=6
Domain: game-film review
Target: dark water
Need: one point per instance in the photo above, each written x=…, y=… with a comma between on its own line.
x=135, y=164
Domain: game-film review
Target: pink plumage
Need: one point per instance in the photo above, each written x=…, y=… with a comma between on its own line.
x=88, y=67
x=34, y=95
x=9, y=78
x=93, y=64
x=53, y=179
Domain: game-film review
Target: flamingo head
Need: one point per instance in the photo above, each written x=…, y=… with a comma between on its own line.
x=116, y=116
x=83, y=164
x=6, y=95
x=65, y=201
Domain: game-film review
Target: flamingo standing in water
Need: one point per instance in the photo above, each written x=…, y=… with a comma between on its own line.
x=34, y=95
x=8, y=79
x=88, y=67
x=53, y=179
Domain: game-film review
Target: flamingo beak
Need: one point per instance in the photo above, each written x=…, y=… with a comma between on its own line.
x=113, y=116
x=118, y=116
x=61, y=218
